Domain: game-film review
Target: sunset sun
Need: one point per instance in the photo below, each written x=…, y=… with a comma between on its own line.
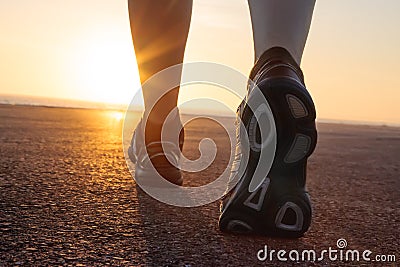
x=106, y=68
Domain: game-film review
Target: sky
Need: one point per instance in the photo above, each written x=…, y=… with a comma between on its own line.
x=83, y=50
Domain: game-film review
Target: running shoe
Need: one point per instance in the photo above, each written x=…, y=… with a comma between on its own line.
x=157, y=158
x=280, y=205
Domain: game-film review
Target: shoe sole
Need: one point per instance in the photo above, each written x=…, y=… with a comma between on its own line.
x=278, y=200
x=147, y=177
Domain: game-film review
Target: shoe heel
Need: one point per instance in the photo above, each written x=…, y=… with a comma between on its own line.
x=292, y=216
x=236, y=224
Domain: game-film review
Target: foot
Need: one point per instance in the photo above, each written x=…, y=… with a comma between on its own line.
x=157, y=157
x=280, y=206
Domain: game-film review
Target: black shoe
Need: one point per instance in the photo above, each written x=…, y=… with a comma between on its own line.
x=280, y=206
x=152, y=160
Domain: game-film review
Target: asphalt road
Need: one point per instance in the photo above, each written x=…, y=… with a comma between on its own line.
x=67, y=198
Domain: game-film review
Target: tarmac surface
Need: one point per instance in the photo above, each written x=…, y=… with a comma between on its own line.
x=67, y=197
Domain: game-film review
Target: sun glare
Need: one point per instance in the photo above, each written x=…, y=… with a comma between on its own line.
x=107, y=70
x=117, y=115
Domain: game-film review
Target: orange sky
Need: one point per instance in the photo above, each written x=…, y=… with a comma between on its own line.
x=82, y=50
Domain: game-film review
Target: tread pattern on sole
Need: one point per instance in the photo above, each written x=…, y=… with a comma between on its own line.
x=299, y=149
x=297, y=107
x=282, y=215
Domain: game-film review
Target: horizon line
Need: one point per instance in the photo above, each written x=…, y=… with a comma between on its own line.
x=92, y=105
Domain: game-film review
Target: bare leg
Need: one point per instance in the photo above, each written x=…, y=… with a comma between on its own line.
x=283, y=23
x=159, y=32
